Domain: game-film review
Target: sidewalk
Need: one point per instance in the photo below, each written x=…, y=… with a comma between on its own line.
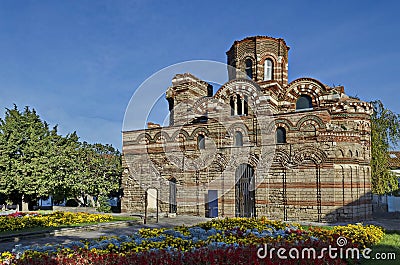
x=389, y=221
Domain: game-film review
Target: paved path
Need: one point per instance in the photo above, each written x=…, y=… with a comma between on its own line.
x=387, y=223
x=68, y=236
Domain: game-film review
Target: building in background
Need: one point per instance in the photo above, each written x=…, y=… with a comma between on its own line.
x=290, y=151
x=395, y=162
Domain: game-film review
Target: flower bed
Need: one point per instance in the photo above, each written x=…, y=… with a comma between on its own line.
x=18, y=221
x=227, y=241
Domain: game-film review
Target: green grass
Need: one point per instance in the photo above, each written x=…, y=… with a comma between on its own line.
x=42, y=229
x=124, y=218
x=389, y=244
x=43, y=212
x=325, y=227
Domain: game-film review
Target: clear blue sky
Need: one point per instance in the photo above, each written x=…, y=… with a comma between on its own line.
x=78, y=62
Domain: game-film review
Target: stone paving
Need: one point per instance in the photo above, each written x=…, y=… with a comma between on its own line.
x=67, y=236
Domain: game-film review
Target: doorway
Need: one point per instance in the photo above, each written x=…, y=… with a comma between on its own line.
x=245, y=191
x=172, y=195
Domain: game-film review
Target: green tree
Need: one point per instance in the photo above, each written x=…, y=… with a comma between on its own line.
x=103, y=204
x=24, y=162
x=37, y=162
x=385, y=131
x=82, y=169
x=66, y=166
x=103, y=169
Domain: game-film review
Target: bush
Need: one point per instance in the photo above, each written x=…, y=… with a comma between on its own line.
x=18, y=221
x=71, y=203
x=104, y=204
x=364, y=235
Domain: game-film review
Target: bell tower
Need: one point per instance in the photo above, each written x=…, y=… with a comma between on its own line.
x=261, y=58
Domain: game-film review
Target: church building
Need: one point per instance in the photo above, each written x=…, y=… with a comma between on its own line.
x=259, y=146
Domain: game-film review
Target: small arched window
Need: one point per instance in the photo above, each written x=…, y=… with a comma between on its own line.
x=239, y=105
x=171, y=110
x=280, y=135
x=245, y=105
x=201, y=142
x=232, y=104
x=249, y=68
x=268, y=69
x=304, y=102
x=238, y=138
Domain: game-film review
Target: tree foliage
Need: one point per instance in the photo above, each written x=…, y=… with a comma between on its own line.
x=385, y=131
x=36, y=161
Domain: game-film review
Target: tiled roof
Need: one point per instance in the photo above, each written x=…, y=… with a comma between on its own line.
x=394, y=161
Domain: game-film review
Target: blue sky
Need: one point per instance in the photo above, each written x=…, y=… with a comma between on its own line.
x=79, y=62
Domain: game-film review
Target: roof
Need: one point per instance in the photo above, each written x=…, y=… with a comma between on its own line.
x=258, y=37
x=394, y=161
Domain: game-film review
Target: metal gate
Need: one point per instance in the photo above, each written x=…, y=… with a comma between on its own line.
x=245, y=191
x=172, y=195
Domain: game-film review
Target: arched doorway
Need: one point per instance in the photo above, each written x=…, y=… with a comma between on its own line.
x=245, y=191
x=172, y=195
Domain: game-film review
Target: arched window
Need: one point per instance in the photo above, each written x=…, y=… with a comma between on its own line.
x=249, y=68
x=171, y=110
x=238, y=138
x=239, y=105
x=304, y=102
x=201, y=142
x=245, y=106
x=268, y=69
x=280, y=135
x=232, y=104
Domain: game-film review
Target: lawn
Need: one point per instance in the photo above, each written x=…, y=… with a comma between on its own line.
x=389, y=244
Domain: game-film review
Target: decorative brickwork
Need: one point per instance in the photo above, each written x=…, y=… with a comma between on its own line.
x=320, y=172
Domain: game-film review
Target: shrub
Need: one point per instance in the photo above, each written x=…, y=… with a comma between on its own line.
x=18, y=221
x=364, y=235
x=104, y=204
x=71, y=203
